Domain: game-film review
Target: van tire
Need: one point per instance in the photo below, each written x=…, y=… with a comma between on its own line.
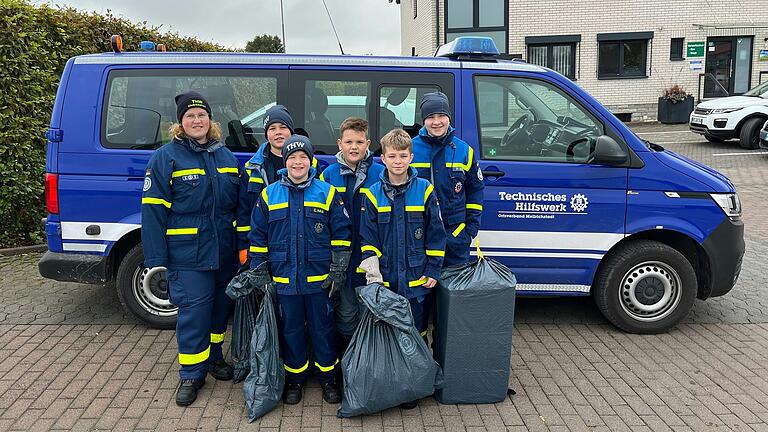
x=151, y=309
x=645, y=287
x=749, y=137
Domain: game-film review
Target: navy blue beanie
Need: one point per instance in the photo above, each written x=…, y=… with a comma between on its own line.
x=296, y=143
x=189, y=100
x=434, y=103
x=278, y=114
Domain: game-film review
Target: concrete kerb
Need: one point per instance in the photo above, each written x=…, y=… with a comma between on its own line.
x=23, y=250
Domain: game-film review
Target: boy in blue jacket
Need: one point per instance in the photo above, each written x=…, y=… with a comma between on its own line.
x=354, y=172
x=301, y=229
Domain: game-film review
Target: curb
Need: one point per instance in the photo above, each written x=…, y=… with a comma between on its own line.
x=23, y=249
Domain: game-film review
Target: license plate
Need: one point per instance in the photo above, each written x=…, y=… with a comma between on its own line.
x=697, y=120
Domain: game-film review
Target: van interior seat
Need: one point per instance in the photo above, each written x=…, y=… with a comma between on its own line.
x=317, y=122
x=387, y=118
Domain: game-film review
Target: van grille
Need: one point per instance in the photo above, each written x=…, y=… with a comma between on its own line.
x=702, y=111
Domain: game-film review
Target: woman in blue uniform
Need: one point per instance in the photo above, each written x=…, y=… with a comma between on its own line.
x=188, y=207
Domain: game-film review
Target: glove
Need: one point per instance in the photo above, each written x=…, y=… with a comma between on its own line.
x=372, y=272
x=243, y=256
x=338, y=273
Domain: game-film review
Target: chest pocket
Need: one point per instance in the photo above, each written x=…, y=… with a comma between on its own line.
x=384, y=218
x=188, y=191
x=318, y=234
x=416, y=232
x=229, y=185
x=458, y=177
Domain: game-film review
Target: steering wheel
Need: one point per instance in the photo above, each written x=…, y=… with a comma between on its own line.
x=518, y=127
x=569, y=152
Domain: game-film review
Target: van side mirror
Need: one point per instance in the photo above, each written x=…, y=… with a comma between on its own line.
x=608, y=152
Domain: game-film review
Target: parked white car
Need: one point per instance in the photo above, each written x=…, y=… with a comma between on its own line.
x=740, y=117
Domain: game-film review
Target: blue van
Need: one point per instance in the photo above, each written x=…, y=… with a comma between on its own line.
x=576, y=204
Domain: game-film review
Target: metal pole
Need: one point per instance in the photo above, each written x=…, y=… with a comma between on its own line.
x=282, y=23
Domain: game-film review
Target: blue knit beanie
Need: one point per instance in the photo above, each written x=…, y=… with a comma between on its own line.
x=434, y=103
x=278, y=114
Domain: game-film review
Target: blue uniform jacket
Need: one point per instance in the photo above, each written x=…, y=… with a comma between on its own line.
x=253, y=179
x=405, y=231
x=351, y=186
x=450, y=164
x=295, y=227
x=189, y=205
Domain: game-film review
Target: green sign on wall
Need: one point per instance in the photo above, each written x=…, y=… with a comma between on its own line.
x=695, y=49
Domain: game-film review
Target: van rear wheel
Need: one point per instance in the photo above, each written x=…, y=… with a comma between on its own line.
x=645, y=287
x=148, y=301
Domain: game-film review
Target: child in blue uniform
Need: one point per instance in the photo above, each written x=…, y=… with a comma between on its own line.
x=299, y=226
x=354, y=172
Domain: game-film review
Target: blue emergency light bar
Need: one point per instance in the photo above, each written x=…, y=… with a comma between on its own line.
x=475, y=47
x=147, y=46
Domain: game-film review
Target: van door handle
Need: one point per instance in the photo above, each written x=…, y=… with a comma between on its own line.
x=490, y=173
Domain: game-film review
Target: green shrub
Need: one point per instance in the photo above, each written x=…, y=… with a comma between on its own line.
x=35, y=44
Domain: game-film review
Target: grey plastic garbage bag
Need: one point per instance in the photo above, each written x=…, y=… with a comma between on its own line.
x=387, y=362
x=247, y=303
x=473, y=331
x=264, y=383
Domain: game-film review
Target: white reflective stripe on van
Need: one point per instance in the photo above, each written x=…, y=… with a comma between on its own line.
x=541, y=254
x=84, y=247
x=109, y=231
x=575, y=241
x=552, y=287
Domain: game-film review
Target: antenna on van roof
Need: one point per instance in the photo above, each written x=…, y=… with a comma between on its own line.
x=333, y=27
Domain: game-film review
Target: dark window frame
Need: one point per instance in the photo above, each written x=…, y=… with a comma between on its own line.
x=476, y=28
x=674, y=55
x=571, y=74
x=622, y=74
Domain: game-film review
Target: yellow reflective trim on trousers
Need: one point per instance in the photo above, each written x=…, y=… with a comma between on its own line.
x=459, y=229
x=159, y=201
x=435, y=252
x=371, y=248
x=192, y=359
x=258, y=249
x=325, y=206
x=418, y=282
x=180, y=231
x=341, y=243
x=478, y=207
x=228, y=170
x=318, y=278
x=190, y=171
x=299, y=370
x=421, y=164
x=414, y=208
x=327, y=368
x=283, y=280
x=255, y=180
x=217, y=337
x=244, y=228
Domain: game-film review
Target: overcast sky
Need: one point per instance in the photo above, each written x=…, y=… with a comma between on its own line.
x=364, y=26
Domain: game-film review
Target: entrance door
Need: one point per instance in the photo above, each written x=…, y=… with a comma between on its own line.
x=729, y=60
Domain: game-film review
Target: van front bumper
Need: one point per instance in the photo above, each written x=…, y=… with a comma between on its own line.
x=69, y=267
x=725, y=249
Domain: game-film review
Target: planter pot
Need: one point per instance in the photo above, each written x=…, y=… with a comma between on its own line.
x=672, y=113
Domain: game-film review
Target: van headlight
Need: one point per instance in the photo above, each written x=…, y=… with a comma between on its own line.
x=730, y=204
x=724, y=110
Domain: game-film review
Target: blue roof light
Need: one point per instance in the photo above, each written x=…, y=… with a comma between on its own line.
x=469, y=46
x=147, y=46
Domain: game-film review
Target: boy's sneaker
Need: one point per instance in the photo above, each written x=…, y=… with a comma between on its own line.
x=187, y=391
x=292, y=394
x=331, y=392
x=221, y=370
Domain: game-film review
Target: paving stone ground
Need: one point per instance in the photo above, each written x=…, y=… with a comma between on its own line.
x=71, y=359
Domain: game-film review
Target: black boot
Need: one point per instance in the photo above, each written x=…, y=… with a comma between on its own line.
x=187, y=391
x=221, y=370
x=409, y=405
x=292, y=393
x=331, y=392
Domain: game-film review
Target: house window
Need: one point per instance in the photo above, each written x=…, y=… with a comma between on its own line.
x=676, y=49
x=554, y=52
x=623, y=55
x=477, y=18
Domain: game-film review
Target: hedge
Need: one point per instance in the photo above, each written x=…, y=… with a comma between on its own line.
x=35, y=44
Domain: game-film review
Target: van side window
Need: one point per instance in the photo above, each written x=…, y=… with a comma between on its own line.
x=327, y=104
x=531, y=120
x=399, y=108
x=139, y=106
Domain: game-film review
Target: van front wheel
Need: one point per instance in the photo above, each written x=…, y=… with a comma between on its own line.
x=645, y=287
x=144, y=292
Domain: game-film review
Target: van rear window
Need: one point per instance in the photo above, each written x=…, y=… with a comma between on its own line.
x=139, y=105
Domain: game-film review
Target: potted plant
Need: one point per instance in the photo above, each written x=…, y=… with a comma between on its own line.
x=675, y=105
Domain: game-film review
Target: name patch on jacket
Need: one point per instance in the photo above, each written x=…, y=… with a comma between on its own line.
x=190, y=177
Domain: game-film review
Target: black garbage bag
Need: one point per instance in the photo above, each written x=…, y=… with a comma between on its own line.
x=247, y=303
x=387, y=362
x=265, y=378
x=473, y=331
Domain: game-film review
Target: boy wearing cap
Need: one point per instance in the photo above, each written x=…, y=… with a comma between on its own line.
x=354, y=172
x=301, y=229
x=450, y=164
x=188, y=205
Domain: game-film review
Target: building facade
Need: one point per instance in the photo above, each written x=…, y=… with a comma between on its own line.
x=625, y=53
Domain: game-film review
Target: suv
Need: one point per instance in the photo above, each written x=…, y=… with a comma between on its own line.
x=575, y=203
x=739, y=117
